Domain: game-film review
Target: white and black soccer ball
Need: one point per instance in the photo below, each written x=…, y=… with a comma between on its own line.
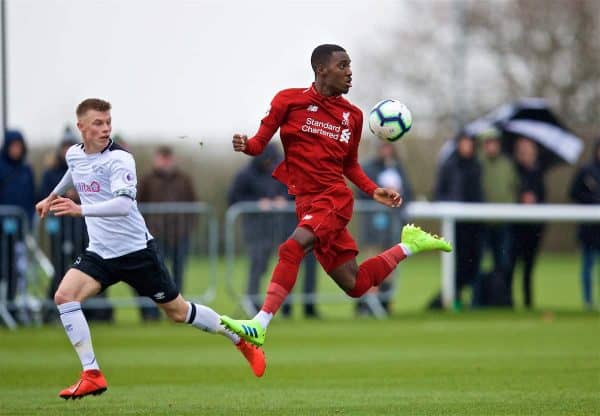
x=389, y=120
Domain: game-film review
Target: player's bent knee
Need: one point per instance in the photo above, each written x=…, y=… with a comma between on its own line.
x=61, y=297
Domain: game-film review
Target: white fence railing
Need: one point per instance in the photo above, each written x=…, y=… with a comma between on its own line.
x=450, y=212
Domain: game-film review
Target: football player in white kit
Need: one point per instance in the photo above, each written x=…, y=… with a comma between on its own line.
x=120, y=246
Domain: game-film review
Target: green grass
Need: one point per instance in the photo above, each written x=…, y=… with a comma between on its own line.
x=494, y=363
x=544, y=362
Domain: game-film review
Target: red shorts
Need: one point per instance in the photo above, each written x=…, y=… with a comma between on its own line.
x=327, y=214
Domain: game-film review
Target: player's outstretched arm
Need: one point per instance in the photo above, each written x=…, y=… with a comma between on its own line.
x=64, y=206
x=239, y=142
x=45, y=204
x=387, y=197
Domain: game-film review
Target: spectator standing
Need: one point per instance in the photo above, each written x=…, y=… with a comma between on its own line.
x=527, y=236
x=263, y=232
x=381, y=229
x=459, y=180
x=585, y=189
x=499, y=182
x=17, y=188
x=167, y=183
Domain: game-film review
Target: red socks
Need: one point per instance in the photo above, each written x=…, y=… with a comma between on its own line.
x=373, y=271
x=284, y=275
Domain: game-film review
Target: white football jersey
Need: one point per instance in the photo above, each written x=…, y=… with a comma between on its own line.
x=100, y=177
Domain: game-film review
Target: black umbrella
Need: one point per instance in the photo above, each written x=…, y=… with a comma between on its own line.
x=532, y=118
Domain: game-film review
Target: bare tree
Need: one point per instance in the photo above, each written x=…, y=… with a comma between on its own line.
x=459, y=59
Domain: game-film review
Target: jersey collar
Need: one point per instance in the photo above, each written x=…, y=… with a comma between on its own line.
x=320, y=96
x=110, y=143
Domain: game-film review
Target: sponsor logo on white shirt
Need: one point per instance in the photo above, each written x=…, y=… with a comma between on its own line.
x=94, y=186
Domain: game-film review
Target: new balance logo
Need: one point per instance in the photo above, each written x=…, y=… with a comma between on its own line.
x=312, y=108
x=159, y=295
x=307, y=217
x=250, y=331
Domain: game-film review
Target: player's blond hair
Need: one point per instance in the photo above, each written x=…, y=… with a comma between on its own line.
x=92, y=104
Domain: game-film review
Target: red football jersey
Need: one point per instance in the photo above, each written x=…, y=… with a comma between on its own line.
x=320, y=137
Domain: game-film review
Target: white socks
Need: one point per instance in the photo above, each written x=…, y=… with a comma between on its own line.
x=406, y=250
x=264, y=318
x=206, y=319
x=78, y=331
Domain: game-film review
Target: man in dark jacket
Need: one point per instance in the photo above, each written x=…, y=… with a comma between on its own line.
x=264, y=231
x=16, y=176
x=167, y=183
x=459, y=180
x=17, y=188
x=585, y=189
x=380, y=230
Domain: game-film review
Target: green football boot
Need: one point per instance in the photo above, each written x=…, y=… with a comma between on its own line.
x=250, y=330
x=417, y=240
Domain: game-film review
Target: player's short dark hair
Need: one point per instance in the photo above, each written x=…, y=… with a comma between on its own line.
x=92, y=104
x=322, y=53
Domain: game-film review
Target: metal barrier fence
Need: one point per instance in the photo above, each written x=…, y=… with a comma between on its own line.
x=448, y=213
x=23, y=269
x=373, y=225
x=182, y=230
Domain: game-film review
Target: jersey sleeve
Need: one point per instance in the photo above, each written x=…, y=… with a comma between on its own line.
x=352, y=169
x=123, y=179
x=65, y=183
x=268, y=126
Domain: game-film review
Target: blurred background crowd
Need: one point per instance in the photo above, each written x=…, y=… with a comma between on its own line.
x=490, y=166
x=463, y=67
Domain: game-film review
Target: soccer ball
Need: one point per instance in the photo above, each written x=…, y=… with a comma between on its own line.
x=389, y=120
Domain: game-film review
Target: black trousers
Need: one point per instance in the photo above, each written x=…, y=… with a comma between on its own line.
x=468, y=251
x=527, y=238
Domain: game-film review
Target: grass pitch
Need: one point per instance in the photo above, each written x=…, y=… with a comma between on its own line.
x=545, y=362
x=484, y=363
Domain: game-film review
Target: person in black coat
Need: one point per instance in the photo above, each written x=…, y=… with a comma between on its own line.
x=585, y=189
x=459, y=180
x=17, y=188
x=379, y=230
x=527, y=236
x=264, y=231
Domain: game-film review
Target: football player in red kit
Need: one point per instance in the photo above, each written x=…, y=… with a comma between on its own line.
x=320, y=131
